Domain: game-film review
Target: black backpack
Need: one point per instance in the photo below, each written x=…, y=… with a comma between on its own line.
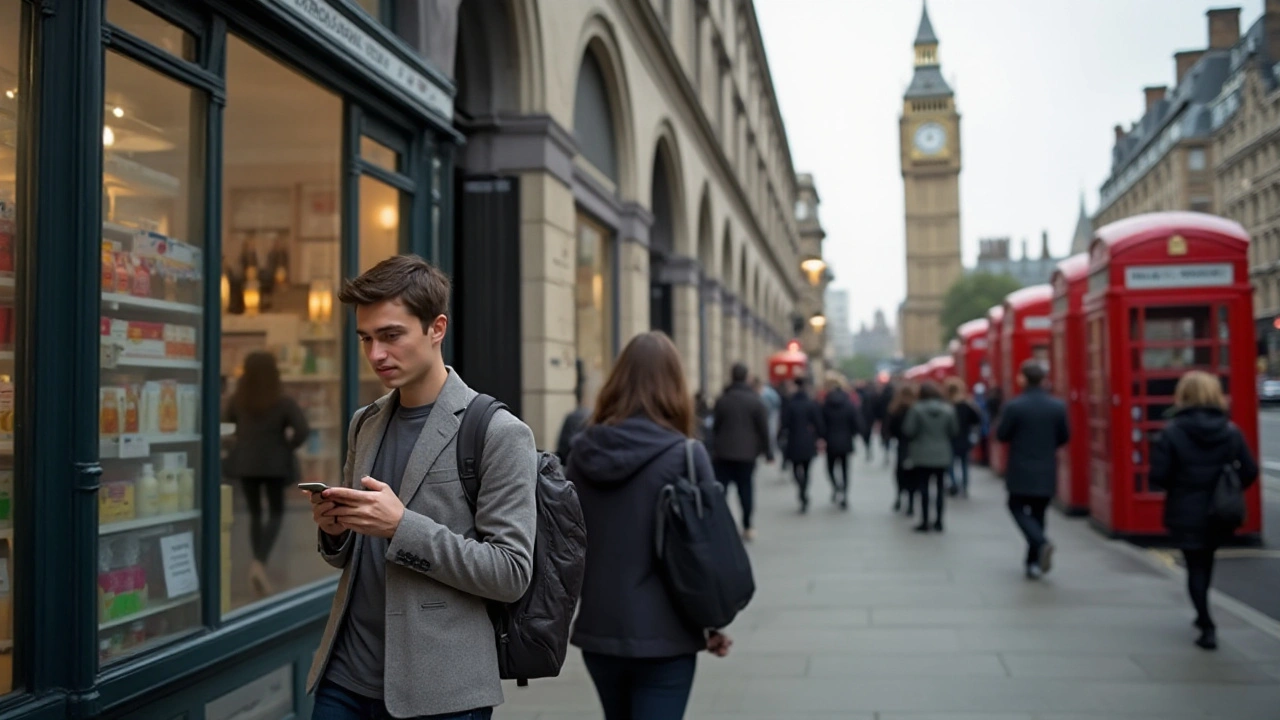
x=532, y=633
x=1227, y=508
x=703, y=560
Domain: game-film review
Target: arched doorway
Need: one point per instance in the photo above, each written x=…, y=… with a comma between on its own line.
x=661, y=244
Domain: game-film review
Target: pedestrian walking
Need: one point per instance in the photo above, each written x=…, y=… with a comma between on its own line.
x=1034, y=424
x=801, y=430
x=868, y=398
x=930, y=427
x=884, y=409
x=740, y=428
x=418, y=578
x=785, y=393
x=573, y=424
x=639, y=652
x=904, y=397
x=968, y=421
x=843, y=422
x=773, y=408
x=1187, y=462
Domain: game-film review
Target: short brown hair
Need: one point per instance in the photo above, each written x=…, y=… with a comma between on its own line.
x=647, y=379
x=421, y=286
x=1199, y=389
x=956, y=390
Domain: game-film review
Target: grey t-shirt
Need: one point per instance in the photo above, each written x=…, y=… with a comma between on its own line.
x=357, y=660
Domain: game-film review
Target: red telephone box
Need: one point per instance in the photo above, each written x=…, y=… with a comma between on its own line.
x=1024, y=333
x=995, y=449
x=1067, y=347
x=971, y=359
x=1167, y=293
x=788, y=364
x=915, y=373
x=940, y=368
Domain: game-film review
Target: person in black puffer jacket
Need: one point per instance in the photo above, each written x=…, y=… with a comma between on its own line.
x=903, y=398
x=1187, y=461
x=640, y=654
x=843, y=420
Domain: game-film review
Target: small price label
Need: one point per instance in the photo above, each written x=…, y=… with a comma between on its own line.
x=134, y=446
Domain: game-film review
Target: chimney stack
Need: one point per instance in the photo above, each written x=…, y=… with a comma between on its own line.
x=1119, y=133
x=1044, y=244
x=1224, y=27
x=1183, y=61
x=1154, y=94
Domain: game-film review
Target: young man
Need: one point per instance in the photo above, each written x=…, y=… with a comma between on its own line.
x=740, y=432
x=1035, y=426
x=409, y=635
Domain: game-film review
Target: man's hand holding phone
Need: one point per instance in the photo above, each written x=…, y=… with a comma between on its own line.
x=375, y=510
x=322, y=509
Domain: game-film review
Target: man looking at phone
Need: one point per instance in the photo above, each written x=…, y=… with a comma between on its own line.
x=409, y=635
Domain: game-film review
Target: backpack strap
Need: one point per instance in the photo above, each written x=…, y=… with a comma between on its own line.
x=470, y=442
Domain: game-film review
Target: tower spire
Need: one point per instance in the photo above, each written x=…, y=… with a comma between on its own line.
x=925, y=35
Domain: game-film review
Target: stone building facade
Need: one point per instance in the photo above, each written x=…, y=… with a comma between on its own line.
x=1246, y=152
x=995, y=258
x=1165, y=160
x=809, y=320
x=622, y=165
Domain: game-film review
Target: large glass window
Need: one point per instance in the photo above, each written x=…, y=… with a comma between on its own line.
x=593, y=292
x=151, y=328
x=11, y=245
x=281, y=332
x=381, y=209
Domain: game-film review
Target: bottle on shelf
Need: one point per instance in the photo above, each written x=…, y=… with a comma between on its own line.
x=170, y=494
x=148, y=493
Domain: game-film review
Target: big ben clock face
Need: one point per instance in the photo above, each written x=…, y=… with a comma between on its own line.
x=930, y=138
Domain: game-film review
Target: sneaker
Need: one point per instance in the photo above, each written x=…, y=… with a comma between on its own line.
x=921, y=528
x=1034, y=572
x=1046, y=556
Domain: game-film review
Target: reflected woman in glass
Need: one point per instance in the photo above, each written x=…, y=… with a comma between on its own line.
x=269, y=428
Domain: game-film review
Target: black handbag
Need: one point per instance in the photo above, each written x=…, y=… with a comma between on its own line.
x=1227, y=507
x=704, y=563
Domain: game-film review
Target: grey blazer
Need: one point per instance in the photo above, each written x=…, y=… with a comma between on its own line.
x=443, y=561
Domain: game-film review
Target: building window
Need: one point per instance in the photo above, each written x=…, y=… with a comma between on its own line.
x=593, y=316
x=282, y=169
x=1196, y=159
x=593, y=117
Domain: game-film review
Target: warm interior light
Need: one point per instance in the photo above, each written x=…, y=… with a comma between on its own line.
x=818, y=322
x=252, y=295
x=117, y=111
x=226, y=292
x=319, y=302
x=10, y=94
x=387, y=217
x=813, y=267
x=108, y=136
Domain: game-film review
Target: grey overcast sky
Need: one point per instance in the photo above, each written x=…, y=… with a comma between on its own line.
x=1039, y=86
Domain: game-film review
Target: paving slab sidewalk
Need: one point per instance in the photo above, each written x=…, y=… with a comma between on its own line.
x=858, y=618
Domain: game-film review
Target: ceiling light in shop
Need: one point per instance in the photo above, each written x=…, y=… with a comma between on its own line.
x=387, y=217
x=117, y=111
x=108, y=136
x=10, y=94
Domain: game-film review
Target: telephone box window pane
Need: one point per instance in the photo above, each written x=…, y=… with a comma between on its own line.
x=1159, y=411
x=1163, y=324
x=1224, y=327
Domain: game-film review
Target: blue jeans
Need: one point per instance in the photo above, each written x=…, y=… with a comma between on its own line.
x=963, y=459
x=642, y=688
x=334, y=702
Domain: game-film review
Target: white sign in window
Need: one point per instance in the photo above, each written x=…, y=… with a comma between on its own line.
x=1157, y=277
x=1036, y=322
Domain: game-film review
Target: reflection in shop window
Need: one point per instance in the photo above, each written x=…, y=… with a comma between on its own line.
x=12, y=245
x=593, y=290
x=151, y=28
x=281, y=350
x=380, y=212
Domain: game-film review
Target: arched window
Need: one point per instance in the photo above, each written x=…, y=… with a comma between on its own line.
x=593, y=118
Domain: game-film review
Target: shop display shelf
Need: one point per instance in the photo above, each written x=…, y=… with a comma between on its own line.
x=152, y=609
x=109, y=447
x=147, y=522
x=150, y=644
x=309, y=378
x=117, y=301
x=173, y=363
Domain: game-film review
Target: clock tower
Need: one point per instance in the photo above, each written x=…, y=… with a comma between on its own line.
x=930, y=142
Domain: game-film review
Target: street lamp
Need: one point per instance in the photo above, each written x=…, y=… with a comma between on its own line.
x=813, y=268
x=818, y=322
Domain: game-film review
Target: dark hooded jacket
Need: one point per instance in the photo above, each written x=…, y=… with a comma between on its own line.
x=801, y=428
x=1187, y=461
x=843, y=420
x=931, y=426
x=625, y=610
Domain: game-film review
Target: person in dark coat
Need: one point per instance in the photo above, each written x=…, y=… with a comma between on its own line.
x=930, y=426
x=867, y=398
x=968, y=419
x=884, y=406
x=740, y=435
x=1186, y=462
x=903, y=399
x=843, y=421
x=638, y=651
x=801, y=429
x=1034, y=424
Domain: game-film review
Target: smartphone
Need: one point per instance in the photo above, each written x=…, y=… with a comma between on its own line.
x=314, y=487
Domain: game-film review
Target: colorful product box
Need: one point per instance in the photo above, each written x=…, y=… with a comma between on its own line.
x=115, y=502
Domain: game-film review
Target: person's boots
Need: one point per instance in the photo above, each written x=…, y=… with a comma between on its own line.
x=1208, y=638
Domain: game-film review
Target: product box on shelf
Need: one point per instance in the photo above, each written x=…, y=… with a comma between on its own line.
x=111, y=410
x=115, y=502
x=6, y=409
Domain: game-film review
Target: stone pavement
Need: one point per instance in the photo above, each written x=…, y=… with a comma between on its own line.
x=858, y=618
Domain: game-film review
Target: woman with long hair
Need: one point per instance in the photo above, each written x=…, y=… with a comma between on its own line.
x=1187, y=461
x=968, y=419
x=904, y=396
x=269, y=428
x=931, y=427
x=640, y=653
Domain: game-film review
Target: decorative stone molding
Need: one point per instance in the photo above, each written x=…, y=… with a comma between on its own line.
x=712, y=293
x=729, y=302
x=676, y=270
x=634, y=222
x=504, y=144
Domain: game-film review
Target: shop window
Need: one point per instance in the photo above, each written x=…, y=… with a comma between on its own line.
x=381, y=209
x=379, y=154
x=11, y=244
x=151, y=374
x=593, y=293
x=281, y=344
x=145, y=25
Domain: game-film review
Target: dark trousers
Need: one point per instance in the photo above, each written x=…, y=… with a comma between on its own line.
x=262, y=535
x=1028, y=513
x=922, y=478
x=642, y=688
x=800, y=470
x=334, y=702
x=1199, y=575
x=742, y=474
x=961, y=481
x=842, y=485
